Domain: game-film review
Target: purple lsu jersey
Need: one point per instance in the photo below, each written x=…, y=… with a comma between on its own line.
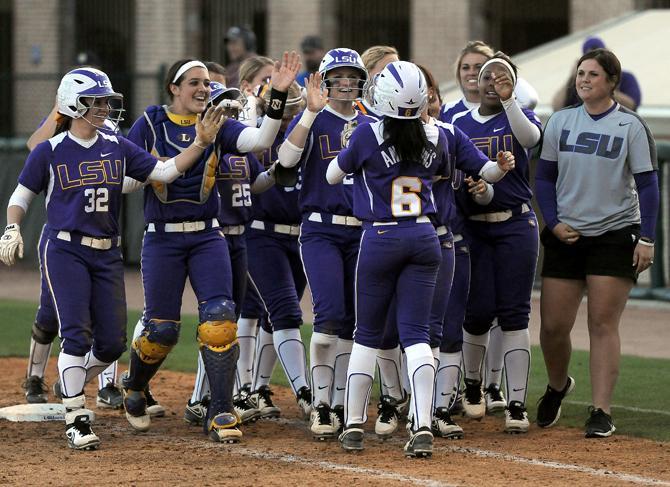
x=83, y=185
x=386, y=188
x=234, y=176
x=278, y=204
x=464, y=157
x=327, y=137
x=450, y=110
x=492, y=134
x=165, y=134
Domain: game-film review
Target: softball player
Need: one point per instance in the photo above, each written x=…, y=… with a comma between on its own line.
x=45, y=327
x=399, y=248
x=597, y=187
x=329, y=233
x=503, y=242
x=81, y=170
x=183, y=238
x=276, y=272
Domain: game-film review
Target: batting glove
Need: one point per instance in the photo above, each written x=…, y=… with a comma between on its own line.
x=9, y=242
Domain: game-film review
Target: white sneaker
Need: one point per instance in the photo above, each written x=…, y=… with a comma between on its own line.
x=445, y=427
x=321, y=423
x=495, y=400
x=474, y=404
x=516, y=418
x=263, y=402
x=78, y=430
x=387, y=417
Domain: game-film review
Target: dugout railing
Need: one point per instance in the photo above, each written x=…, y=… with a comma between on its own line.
x=653, y=284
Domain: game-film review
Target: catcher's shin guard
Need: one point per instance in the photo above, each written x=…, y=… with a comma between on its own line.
x=217, y=336
x=148, y=352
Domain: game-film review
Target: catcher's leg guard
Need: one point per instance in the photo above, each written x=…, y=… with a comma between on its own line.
x=146, y=356
x=217, y=336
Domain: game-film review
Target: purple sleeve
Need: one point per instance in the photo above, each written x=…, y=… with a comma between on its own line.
x=469, y=158
x=35, y=172
x=350, y=159
x=545, y=191
x=139, y=163
x=140, y=135
x=649, y=195
x=630, y=87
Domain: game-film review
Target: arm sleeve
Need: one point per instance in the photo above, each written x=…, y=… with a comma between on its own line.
x=649, y=195
x=21, y=197
x=253, y=139
x=526, y=132
x=289, y=154
x=164, y=172
x=545, y=191
x=491, y=172
x=335, y=174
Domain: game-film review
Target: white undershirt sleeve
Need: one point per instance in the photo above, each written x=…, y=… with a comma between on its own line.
x=334, y=174
x=165, y=171
x=526, y=132
x=21, y=197
x=289, y=154
x=253, y=139
x=491, y=172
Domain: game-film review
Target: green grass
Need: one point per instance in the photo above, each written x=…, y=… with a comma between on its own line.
x=639, y=386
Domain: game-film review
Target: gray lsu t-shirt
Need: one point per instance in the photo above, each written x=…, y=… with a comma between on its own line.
x=595, y=190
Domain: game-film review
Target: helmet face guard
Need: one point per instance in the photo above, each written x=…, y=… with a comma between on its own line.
x=78, y=95
x=341, y=58
x=400, y=91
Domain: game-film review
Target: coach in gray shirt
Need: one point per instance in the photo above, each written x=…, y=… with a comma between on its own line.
x=597, y=188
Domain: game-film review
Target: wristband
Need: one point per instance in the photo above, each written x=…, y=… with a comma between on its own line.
x=276, y=105
x=12, y=226
x=647, y=242
x=307, y=119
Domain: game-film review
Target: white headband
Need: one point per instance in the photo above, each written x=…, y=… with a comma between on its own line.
x=499, y=61
x=185, y=67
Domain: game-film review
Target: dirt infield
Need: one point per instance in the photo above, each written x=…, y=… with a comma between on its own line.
x=281, y=452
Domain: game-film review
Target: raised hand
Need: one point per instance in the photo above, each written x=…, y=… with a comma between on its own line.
x=505, y=160
x=285, y=71
x=208, y=126
x=317, y=97
x=565, y=233
x=502, y=83
x=10, y=242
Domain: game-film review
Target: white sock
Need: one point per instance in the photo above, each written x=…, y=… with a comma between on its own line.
x=360, y=375
x=201, y=386
x=421, y=371
x=38, y=358
x=108, y=376
x=516, y=345
x=246, y=337
x=292, y=356
x=265, y=360
x=390, y=371
x=494, y=356
x=94, y=366
x=72, y=374
x=322, y=351
x=341, y=368
x=474, y=349
x=447, y=379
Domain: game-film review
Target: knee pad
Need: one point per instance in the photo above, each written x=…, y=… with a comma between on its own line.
x=156, y=340
x=217, y=330
x=42, y=336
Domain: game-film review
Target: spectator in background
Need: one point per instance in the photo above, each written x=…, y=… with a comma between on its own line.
x=312, y=54
x=216, y=72
x=240, y=45
x=627, y=93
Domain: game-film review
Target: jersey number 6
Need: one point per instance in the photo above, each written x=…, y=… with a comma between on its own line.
x=404, y=198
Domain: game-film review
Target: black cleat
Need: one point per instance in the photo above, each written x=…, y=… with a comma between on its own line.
x=36, y=389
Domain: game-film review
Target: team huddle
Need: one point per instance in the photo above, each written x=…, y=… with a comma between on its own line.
x=410, y=220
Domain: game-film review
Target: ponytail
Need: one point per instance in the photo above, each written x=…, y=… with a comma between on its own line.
x=408, y=138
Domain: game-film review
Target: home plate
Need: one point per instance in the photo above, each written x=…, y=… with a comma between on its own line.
x=34, y=412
